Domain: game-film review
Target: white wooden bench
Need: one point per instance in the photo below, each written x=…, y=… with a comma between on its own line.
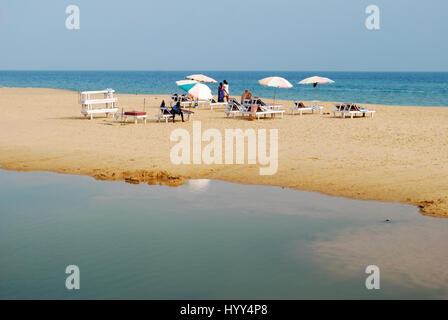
x=90, y=104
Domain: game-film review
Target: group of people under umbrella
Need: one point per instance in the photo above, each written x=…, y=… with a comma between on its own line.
x=194, y=86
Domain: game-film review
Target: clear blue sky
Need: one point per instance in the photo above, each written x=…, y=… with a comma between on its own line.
x=224, y=35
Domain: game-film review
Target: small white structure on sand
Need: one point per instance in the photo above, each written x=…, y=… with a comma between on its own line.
x=91, y=105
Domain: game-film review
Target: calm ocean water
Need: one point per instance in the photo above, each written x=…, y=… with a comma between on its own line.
x=391, y=88
x=209, y=240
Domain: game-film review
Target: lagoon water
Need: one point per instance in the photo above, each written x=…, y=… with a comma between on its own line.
x=389, y=88
x=209, y=240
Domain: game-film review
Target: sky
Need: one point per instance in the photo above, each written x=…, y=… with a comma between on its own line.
x=318, y=35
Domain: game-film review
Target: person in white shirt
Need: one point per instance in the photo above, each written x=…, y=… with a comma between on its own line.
x=226, y=90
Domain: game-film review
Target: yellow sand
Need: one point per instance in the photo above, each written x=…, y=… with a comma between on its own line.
x=400, y=155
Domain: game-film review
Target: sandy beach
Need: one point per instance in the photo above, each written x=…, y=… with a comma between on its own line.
x=398, y=156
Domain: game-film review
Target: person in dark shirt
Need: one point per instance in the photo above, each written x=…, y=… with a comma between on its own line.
x=176, y=109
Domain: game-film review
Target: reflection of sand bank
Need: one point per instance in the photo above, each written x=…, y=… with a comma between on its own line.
x=407, y=255
x=141, y=176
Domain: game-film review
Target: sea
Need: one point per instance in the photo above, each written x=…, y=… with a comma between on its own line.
x=388, y=88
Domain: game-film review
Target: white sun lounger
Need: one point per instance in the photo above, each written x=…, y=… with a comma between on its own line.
x=90, y=104
x=189, y=103
x=179, y=97
x=234, y=108
x=306, y=108
x=212, y=103
x=351, y=110
x=262, y=111
x=262, y=103
x=165, y=114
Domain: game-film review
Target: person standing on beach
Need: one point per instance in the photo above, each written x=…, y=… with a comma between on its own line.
x=226, y=90
x=220, y=93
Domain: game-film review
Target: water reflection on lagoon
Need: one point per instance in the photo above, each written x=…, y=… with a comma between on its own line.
x=210, y=240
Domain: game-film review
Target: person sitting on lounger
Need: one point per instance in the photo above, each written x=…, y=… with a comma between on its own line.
x=246, y=96
x=163, y=108
x=177, y=110
x=301, y=105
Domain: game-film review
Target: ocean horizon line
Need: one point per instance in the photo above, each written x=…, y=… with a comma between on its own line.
x=210, y=70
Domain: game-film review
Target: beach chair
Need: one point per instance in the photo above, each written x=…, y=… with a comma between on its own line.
x=234, y=107
x=300, y=107
x=352, y=110
x=365, y=111
x=341, y=109
x=262, y=111
x=213, y=103
x=264, y=104
x=165, y=114
x=250, y=102
x=179, y=97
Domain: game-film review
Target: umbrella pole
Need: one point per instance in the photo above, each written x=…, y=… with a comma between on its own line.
x=275, y=93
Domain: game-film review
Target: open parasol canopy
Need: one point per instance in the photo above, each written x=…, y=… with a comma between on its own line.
x=197, y=90
x=275, y=82
x=200, y=78
x=315, y=81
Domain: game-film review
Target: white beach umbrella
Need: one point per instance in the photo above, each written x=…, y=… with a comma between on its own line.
x=200, y=78
x=275, y=82
x=315, y=80
x=197, y=90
